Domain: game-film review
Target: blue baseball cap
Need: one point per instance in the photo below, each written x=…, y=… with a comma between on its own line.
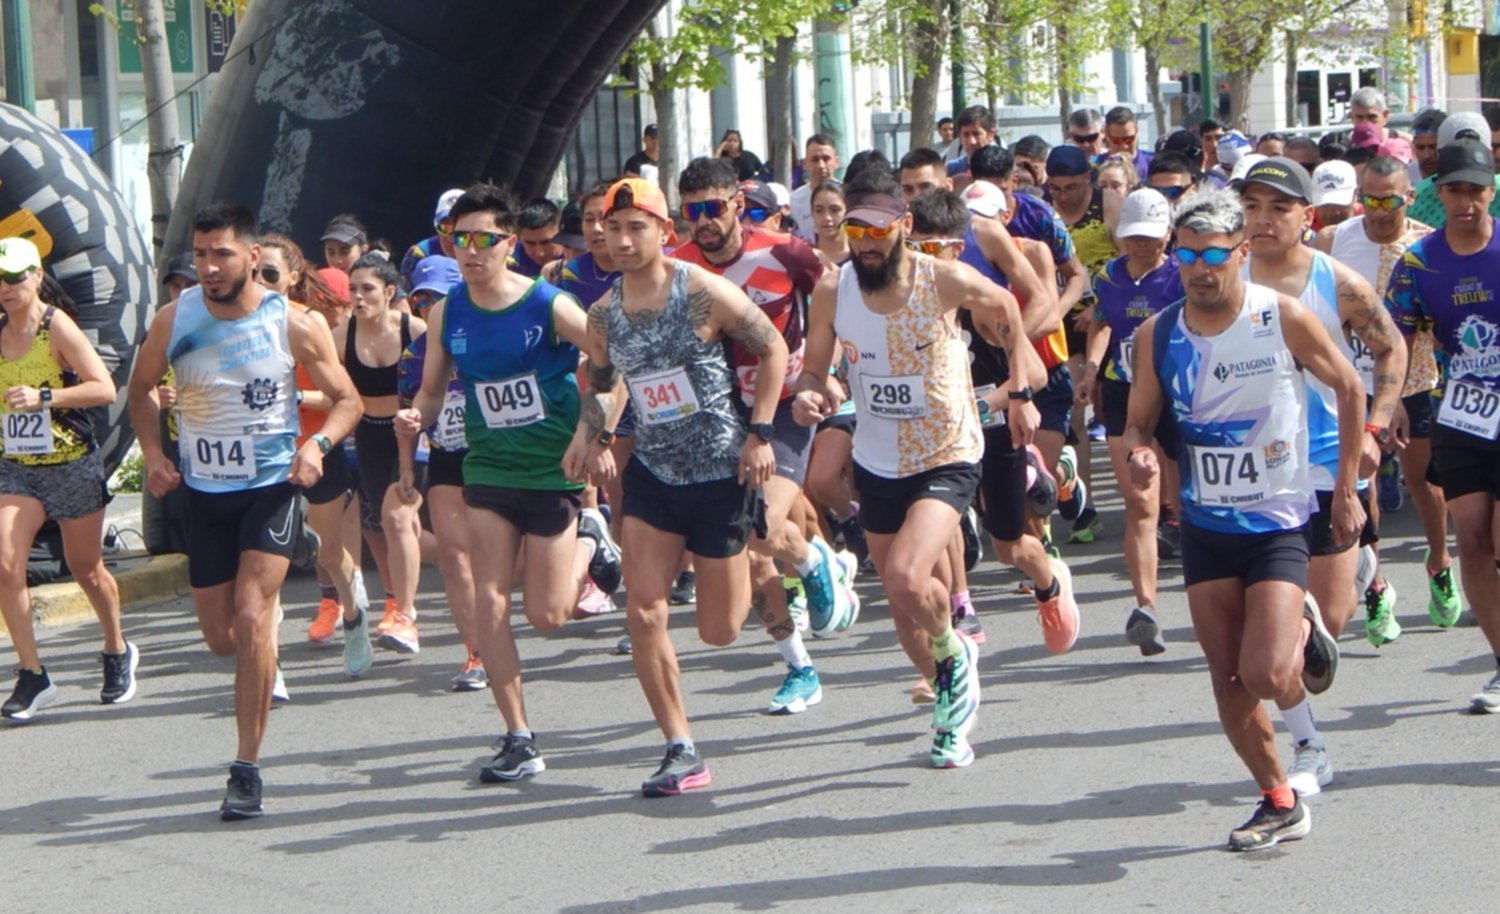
x=1067, y=162
x=435, y=274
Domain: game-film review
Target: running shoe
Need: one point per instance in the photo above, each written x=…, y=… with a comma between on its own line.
x=119, y=675
x=1096, y=430
x=622, y=647
x=680, y=770
x=1059, y=615
x=279, y=693
x=1041, y=487
x=361, y=598
x=325, y=624
x=1443, y=605
x=827, y=601
x=1320, y=655
x=401, y=637
x=846, y=571
x=1381, y=627
x=1388, y=482
x=796, y=600
x=389, y=619
x=242, y=799
x=799, y=691
x=1072, y=494
x=1365, y=566
x=1486, y=700
x=471, y=677
x=1088, y=527
x=1310, y=770
x=1168, y=539
x=854, y=537
x=604, y=567
x=1142, y=630
x=921, y=693
x=951, y=750
x=518, y=758
x=33, y=692
x=592, y=601
x=685, y=590
x=968, y=623
x=1270, y=825
x=358, y=653
x=956, y=690
x=968, y=522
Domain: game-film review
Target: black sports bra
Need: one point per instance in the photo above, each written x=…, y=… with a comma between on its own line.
x=377, y=381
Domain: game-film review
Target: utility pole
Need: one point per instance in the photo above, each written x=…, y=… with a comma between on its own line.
x=1206, y=64
x=20, y=82
x=960, y=96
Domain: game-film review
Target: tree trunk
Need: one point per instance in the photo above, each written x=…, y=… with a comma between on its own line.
x=930, y=36
x=1289, y=84
x=164, y=143
x=782, y=131
x=1064, y=78
x=1239, y=99
x=1153, y=88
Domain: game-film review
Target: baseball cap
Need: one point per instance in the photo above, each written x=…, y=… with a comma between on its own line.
x=445, y=203
x=1232, y=147
x=875, y=208
x=783, y=196
x=986, y=199
x=650, y=130
x=343, y=232
x=759, y=194
x=181, y=265
x=1146, y=212
x=1397, y=148
x=1465, y=162
x=1463, y=121
x=17, y=255
x=1067, y=162
x=1247, y=161
x=337, y=280
x=1185, y=142
x=637, y=193
x=1281, y=173
x=1334, y=184
x=1367, y=134
x=435, y=274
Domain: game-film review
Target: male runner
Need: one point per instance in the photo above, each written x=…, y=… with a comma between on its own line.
x=693, y=483
x=1229, y=363
x=234, y=347
x=1123, y=135
x=819, y=164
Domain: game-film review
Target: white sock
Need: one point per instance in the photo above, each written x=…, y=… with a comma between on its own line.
x=1299, y=721
x=814, y=558
x=793, y=651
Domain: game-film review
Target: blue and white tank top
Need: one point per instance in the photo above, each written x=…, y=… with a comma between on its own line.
x=1241, y=407
x=236, y=394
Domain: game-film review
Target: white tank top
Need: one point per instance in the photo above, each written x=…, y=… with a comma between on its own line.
x=1375, y=262
x=909, y=377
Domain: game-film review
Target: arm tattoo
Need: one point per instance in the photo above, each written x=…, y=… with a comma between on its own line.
x=602, y=377
x=598, y=406
x=700, y=305
x=754, y=330
x=598, y=317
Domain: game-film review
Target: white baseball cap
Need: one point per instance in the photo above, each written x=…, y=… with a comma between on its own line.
x=1243, y=166
x=1463, y=122
x=984, y=198
x=445, y=203
x=1145, y=213
x=783, y=196
x=1334, y=184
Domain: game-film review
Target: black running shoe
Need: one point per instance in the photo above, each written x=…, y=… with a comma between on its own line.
x=518, y=758
x=685, y=591
x=1168, y=539
x=968, y=522
x=34, y=691
x=1320, y=655
x=854, y=538
x=680, y=770
x=604, y=567
x=1270, y=825
x=242, y=799
x=119, y=675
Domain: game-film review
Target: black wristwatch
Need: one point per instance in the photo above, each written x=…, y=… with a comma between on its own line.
x=765, y=431
x=1024, y=394
x=46, y=395
x=606, y=437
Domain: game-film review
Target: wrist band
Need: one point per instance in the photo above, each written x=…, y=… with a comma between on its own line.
x=1137, y=450
x=1373, y=429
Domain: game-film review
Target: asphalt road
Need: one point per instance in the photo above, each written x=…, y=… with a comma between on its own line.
x=1102, y=778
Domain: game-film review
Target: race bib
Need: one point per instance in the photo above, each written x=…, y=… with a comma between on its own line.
x=28, y=433
x=903, y=397
x=221, y=458
x=448, y=431
x=1467, y=407
x=511, y=403
x=663, y=396
x=1230, y=477
x=989, y=416
x=1364, y=362
x=1127, y=357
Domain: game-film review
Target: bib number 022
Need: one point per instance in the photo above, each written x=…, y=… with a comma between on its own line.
x=28, y=433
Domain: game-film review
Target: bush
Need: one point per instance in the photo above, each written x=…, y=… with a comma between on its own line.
x=131, y=475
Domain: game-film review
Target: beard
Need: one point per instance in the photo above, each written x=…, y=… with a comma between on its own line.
x=230, y=295
x=874, y=279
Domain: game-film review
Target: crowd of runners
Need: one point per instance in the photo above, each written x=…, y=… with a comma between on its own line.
x=746, y=401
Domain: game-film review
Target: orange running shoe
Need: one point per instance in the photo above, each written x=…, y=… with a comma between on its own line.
x=401, y=637
x=323, y=628
x=1059, y=615
x=389, y=619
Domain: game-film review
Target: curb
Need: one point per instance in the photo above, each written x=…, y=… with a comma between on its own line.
x=164, y=577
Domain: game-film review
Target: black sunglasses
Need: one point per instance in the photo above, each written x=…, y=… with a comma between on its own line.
x=270, y=274
x=1084, y=138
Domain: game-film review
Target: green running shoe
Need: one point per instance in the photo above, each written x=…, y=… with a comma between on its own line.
x=1087, y=528
x=1443, y=605
x=1381, y=627
x=951, y=750
x=957, y=690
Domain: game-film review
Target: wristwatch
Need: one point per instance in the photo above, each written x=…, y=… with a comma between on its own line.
x=1024, y=394
x=322, y=441
x=606, y=437
x=765, y=431
x=1382, y=434
x=46, y=394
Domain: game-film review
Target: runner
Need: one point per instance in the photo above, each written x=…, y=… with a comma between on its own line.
x=820, y=163
x=976, y=130
x=1460, y=125
x=1123, y=135
x=1424, y=142
x=1276, y=194
x=692, y=481
x=1448, y=279
x=1225, y=363
x=513, y=342
x=234, y=348
x=440, y=243
x=828, y=216
x=345, y=241
x=51, y=469
x=1334, y=188
x=538, y=224
x=777, y=272
x=918, y=442
x=1372, y=244
x=1086, y=131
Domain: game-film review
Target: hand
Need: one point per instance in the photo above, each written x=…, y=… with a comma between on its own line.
x=810, y=407
x=757, y=463
x=575, y=458
x=307, y=465
x=166, y=395
x=1084, y=320
x=1369, y=456
x=1024, y=420
x=1143, y=468
x=408, y=423
x=1400, y=429
x=406, y=486
x=1348, y=515
x=23, y=399
x=1082, y=393
x=162, y=476
x=602, y=464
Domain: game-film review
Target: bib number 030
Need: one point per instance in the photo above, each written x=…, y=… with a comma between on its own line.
x=1471, y=408
x=28, y=433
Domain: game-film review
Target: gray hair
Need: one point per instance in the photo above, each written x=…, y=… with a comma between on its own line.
x=1085, y=118
x=1369, y=97
x=1212, y=212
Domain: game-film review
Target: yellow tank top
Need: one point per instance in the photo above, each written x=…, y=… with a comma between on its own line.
x=37, y=367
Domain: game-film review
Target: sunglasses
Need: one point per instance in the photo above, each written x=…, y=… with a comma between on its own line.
x=1084, y=139
x=933, y=246
x=422, y=299
x=1171, y=193
x=443, y=228
x=270, y=274
x=1214, y=257
x=479, y=241
x=858, y=232
x=1382, y=203
x=15, y=279
x=711, y=209
x=756, y=214
x=1120, y=142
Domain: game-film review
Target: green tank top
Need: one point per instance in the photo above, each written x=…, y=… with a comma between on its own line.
x=71, y=434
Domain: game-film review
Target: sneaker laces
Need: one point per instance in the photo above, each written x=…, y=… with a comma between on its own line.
x=945, y=740
x=1372, y=602
x=942, y=684
x=1444, y=580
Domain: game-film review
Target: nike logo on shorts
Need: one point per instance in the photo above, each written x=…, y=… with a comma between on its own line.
x=283, y=537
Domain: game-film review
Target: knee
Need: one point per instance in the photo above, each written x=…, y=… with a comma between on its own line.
x=646, y=620
x=1267, y=681
x=220, y=643
x=13, y=568
x=454, y=559
x=95, y=578
x=904, y=585
x=716, y=633
x=549, y=618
